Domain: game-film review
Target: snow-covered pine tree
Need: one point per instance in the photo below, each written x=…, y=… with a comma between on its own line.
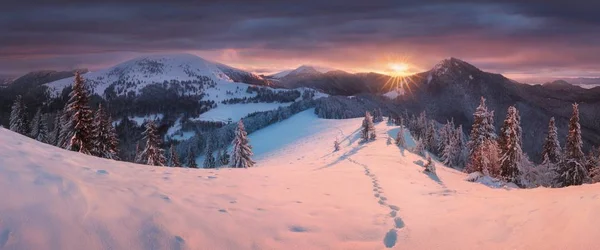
x=551, y=146
x=113, y=140
x=430, y=137
x=223, y=157
x=571, y=170
x=55, y=135
x=461, y=145
x=482, y=141
x=241, y=155
x=368, y=128
x=400, y=141
x=446, y=132
x=173, y=158
x=450, y=150
x=429, y=166
x=419, y=147
x=152, y=154
x=510, y=145
x=137, y=157
x=209, y=158
x=377, y=115
x=592, y=160
x=18, y=117
x=39, y=127
x=77, y=127
x=191, y=158
x=336, y=145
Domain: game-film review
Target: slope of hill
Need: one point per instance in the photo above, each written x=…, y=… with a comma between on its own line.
x=301, y=195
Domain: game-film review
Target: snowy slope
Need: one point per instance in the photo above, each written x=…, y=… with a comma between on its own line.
x=146, y=70
x=301, y=195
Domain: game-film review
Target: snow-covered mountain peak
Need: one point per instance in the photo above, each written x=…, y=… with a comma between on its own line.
x=453, y=68
x=137, y=73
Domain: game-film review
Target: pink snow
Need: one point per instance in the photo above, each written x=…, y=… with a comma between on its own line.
x=301, y=195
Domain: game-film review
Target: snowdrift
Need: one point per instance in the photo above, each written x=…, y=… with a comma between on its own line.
x=301, y=195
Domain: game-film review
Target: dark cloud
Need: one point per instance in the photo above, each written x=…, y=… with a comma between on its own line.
x=505, y=36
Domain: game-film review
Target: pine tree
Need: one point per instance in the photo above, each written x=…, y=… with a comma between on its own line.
x=104, y=137
x=482, y=141
x=55, y=135
x=191, y=158
x=551, y=145
x=209, y=159
x=510, y=145
x=242, y=151
x=429, y=166
x=77, y=118
x=368, y=128
x=336, y=145
x=173, y=158
x=39, y=127
x=430, y=137
x=137, y=158
x=461, y=145
x=400, y=141
x=419, y=147
x=571, y=170
x=18, y=118
x=152, y=154
x=224, y=157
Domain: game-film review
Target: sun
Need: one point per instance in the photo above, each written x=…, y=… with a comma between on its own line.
x=398, y=69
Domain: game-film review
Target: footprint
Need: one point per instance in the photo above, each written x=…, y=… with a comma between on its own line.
x=298, y=229
x=382, y=202
x=376, y=194
x=394, y=207
x=223, y=210
x=393, y=213
x=390, y=238
x=383, y=198
x=398, y=222
x=233, y=202
x=102, y=172
x=212, y=177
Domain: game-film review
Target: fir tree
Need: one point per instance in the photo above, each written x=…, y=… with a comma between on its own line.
x=419, y=147
x=461, y=145
x=242, y=151
x=39, y=127
x=510, y=145
x=224, y=158
x=152, y=154
x=77, y=128
x=173, y=158
x=105, y=141
x=54, y=137
x=400, y=141
x=209, y=159
x=191, y=158
x=368, y=128
x=430, y=137
x=571, y=170
x=18, y=118
x=482, y=141
x=551, y=145
x=429, y=166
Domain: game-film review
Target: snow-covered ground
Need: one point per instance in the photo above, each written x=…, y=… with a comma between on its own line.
x=235, y=112
x=301, y=195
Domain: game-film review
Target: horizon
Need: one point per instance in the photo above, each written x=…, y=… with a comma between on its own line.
x=531, y=40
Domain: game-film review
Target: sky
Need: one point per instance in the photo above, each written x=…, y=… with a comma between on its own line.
x=523, y=39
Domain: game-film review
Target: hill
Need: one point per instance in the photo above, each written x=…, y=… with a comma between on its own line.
x=301, y=195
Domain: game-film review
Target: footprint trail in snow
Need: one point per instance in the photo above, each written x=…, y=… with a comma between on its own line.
x=390, y=238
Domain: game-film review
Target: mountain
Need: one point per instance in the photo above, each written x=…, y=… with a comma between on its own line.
x=333, y=82
x=5, y=80
x=238, y=75
x=297, y=197
x=452, y=89
x=133, y=75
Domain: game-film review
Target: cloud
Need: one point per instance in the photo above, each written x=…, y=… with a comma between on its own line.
x=501, y=36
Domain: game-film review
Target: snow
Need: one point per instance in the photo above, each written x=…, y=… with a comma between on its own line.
x=174, y=132
x=281, y=74
x=394, y=93
x=147, y=70
x=236, y=111
x=301, y=195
